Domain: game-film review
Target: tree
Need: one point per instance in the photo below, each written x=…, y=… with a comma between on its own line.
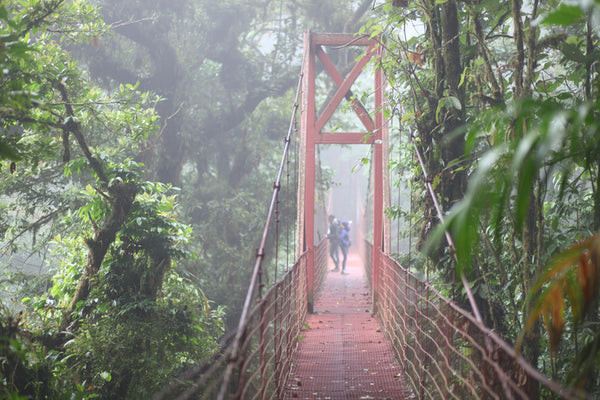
x=96, y=148
x=528, y=101
x=218, y=118
x=74, y=146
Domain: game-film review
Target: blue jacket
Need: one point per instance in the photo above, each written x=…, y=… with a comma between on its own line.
x=345, y=236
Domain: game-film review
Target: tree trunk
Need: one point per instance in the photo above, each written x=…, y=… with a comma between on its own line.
x=439, y=145
x=453, y=183
x=121, y=199
x=520, y=57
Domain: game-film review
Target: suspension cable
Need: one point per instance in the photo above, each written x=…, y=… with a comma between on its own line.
x=440, y=215
x=260, y=254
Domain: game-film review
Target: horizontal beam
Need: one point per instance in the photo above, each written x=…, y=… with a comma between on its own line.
x=340, y=39
x=345, y=138
x=344, y=88
x=357, y=106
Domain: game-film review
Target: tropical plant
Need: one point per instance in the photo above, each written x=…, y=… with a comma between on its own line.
x=521, y=104
x=74, y=186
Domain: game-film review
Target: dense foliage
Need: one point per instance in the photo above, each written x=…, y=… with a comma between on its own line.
x=73, y=192
x=227, y=98
x=135, y=143
x=503, y=99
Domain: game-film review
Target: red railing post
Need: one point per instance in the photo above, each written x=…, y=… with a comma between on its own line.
x=378, y=184
x=306, y=181
x=263, y=351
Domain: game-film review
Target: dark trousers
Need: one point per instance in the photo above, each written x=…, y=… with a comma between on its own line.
x=345, y=254
x=335, y=254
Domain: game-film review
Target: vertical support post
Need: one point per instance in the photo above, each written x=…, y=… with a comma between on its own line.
x=263, y=352
x=308, y=120
x=378, y=185
x=449, y=342
x=278, y=324
x=418, y=337
x=311, y=136
x=405, y=310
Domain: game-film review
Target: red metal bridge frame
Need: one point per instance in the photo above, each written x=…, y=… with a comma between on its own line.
x=311, y=135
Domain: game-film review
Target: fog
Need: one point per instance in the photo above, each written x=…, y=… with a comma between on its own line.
x=347, y=196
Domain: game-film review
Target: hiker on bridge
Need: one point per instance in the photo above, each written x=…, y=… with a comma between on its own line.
x=333, y=234
x=345, y=243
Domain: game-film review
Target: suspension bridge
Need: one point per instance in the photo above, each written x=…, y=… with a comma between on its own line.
x=378, y=332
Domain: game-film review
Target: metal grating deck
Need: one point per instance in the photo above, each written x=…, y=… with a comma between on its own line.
x=344, y=353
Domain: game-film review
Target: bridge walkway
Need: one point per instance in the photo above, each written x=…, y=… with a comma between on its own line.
x=344, y=353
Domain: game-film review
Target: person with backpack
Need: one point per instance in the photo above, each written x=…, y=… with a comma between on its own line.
x=345, y=243
x=333, y=234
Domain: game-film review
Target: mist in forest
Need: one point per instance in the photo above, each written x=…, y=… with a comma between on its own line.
x=139, y=141
x=348, y=176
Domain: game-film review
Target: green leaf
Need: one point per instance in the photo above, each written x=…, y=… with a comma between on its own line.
x=439, y=109
x=447, y=102
x=407, y=116
x=106, y=376
x=572, y=52
x=7, y=152
x=392, y=80
x=524, y=166
x=565, y=15
x=462, y=77
x=564, y=96
x=454, y=102
x=436, y=181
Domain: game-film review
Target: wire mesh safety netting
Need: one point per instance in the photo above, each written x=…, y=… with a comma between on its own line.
x=254, y=361
x=256, y=367
x=445, y=352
